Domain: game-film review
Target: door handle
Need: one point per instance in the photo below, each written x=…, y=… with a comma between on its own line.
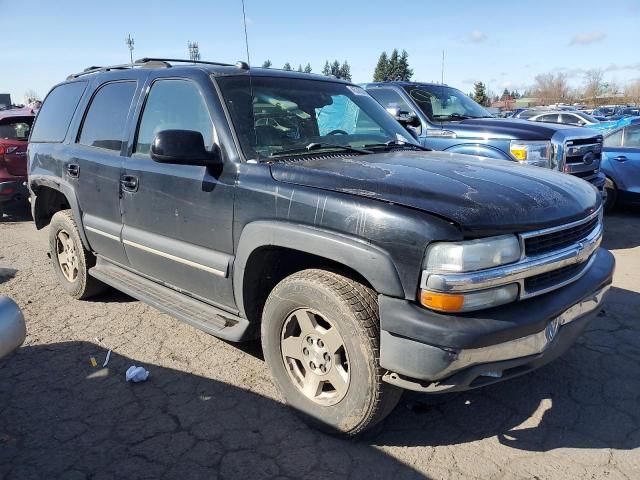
x=129, y=183
x=73, y=170
x=620, y=158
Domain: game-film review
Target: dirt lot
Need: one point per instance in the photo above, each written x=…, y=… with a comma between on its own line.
x=209, y=409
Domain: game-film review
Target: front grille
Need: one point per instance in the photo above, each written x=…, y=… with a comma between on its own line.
x=553, y=278
x=586, y=151
x=586, y=174
x=557, y=240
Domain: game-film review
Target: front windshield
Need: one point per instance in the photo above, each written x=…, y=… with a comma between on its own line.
x=290, y=115
x=442, y=104
x=586, y=116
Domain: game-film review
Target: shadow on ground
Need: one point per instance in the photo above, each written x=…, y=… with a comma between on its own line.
x=622, y=228
x=16, y=213
x=586, y=399
x=60, y=417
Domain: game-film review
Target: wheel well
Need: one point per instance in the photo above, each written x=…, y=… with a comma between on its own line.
x=48, y=201
x=267, y=266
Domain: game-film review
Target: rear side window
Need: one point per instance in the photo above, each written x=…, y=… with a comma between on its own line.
x=106, y=118
x=56, y=112
x=15, y=128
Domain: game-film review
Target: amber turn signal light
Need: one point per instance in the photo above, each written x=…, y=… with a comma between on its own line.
x=444, y=302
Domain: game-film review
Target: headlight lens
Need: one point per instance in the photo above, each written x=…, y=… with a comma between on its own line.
x=472, y=255
x=532, y=153
x=468, y=301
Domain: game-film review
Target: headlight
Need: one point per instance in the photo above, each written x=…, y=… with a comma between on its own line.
x=532, y=153
x=472, y=255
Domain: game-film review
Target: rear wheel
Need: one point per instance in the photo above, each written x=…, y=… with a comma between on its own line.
x=612, y=195
x=320, y=336
x=71, y=261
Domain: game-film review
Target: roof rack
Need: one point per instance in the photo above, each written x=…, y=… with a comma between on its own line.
x=148, y=62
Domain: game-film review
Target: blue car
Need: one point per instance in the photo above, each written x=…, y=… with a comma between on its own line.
x=621, y=165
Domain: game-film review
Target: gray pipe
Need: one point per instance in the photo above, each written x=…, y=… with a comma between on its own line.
x=12, y=327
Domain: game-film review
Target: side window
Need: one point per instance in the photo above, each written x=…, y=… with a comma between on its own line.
x=632, y=137
x=614, y=140
x=390, y=99
x=173, y=105
x=56, y=113
x=105, y=120
x=553, y=118
x=571, y=119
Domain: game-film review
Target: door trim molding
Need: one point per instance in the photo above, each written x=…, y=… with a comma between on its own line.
x=104, y=234
x=184, y=261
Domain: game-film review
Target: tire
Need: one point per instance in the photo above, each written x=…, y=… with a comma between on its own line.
x=612, y=195
x=76, y=281
x=337, y=305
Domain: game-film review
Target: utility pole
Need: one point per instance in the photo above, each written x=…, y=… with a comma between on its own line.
x=194, y=51
x=129, y=41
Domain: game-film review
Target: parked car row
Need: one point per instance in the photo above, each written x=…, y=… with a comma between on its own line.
x=257, y=203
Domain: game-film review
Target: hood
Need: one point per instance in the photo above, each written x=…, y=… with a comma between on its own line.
x=481, y=195
x=507, y=129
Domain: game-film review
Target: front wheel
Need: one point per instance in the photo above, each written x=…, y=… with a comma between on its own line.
x=320, y=337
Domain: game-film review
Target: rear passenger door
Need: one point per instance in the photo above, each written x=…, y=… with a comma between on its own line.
x=97, y=166
x=178, y=218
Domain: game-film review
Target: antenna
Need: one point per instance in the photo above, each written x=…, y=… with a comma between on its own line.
x=442, y=74
x=246, y=42
x=129, y=41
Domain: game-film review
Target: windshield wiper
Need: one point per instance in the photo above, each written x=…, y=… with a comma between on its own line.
x=313, y=146
x=456, y=116
x=395, y=143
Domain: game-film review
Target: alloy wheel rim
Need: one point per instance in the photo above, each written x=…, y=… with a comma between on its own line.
x=67, y=256
x=315, y=357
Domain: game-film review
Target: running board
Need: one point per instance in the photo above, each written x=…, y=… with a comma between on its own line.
x=201, y=315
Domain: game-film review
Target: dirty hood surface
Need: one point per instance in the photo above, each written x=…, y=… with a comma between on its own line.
x=482, y=196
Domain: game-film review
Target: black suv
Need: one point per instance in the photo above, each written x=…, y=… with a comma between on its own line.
x=259, y=203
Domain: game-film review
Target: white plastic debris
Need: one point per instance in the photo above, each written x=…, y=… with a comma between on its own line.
x=106, y=360
x=136, y=374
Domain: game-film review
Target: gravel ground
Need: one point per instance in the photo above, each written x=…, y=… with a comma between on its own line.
x=210, y=410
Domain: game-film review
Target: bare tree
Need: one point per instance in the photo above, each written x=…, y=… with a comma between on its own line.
x=593, y=84
x=552, y=88
x=31, y=96
x=632, y=92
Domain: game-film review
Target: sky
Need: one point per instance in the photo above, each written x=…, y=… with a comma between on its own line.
x=503, y=43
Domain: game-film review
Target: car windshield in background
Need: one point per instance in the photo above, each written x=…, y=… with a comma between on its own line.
x=585, y=116
x=443, y=104
x=15, y=128
x=290, y=116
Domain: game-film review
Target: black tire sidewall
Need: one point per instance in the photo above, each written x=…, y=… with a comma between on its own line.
x=58, y=223
x=354, y=408
x=612, y=195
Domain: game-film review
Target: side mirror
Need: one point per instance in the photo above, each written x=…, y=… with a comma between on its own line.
x=183, y=147
x=407, y=119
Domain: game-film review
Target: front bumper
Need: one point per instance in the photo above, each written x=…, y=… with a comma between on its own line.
x=432, y=352
x=13, y=190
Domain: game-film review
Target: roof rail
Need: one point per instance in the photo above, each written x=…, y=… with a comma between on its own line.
x=179, y=60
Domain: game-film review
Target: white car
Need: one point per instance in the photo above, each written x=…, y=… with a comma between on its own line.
x=577, y=118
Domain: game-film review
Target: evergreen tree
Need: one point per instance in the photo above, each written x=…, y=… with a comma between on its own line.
x=393, y=70
x=307, y=69
x=267, y=64
x=404, y=72
x=480, y=93
x=287, y=67
x=326, y=71
x=300, y=68
x=345, y=71
x=335, y=69
x=380, y=73
x=506, y=94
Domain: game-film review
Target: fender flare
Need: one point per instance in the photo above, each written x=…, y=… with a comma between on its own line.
x=480, y=149
x=65, y=189
x=370, y=261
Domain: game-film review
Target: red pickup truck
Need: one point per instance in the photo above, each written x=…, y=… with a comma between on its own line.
x=15, y=126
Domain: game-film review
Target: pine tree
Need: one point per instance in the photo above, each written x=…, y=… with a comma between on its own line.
x=506, y=94
x=380, y=73
x=345, y=71
x=404, y=72
x=267, y=64
x=287, y=66
x=299, y=68
x=307, y=69
x=326, y=71
x=335, y=69
x=393, y=71
x=480, y=93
